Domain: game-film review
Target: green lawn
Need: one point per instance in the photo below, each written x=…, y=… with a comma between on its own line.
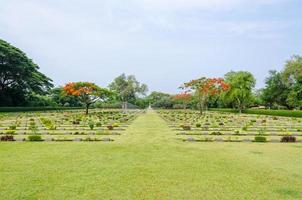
x=149, y=162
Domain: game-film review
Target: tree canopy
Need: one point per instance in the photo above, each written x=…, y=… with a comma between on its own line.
x=240, y=92
x=127, y=88
x=19, y=76
x=87, y=93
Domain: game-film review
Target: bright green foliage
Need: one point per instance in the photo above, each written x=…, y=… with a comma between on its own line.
x=35, y=138
x=91, y=124
x=260, y=138
x=293, y=77
x=240, y=92
x=276, y=91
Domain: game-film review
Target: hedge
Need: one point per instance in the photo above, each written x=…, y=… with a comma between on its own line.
x=284, y=113
x=27, y=109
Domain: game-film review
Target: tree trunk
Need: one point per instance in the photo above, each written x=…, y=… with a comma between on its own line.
x=87, y=107
x=200, y=104
x=124, y=105
x=239, y=106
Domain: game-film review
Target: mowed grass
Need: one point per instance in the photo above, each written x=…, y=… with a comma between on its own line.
x=149, y=162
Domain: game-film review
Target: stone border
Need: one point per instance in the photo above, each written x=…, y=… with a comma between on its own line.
x=220, y=140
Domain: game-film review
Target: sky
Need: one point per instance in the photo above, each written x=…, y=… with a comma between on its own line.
x=162, y=42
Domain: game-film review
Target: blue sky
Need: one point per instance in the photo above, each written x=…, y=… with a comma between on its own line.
x=163, y=42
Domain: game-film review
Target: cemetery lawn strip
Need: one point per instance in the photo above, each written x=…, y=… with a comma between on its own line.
x=149, y=162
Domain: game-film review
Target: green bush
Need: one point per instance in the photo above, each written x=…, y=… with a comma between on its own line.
x=283, y=113
x=98, y=124
x=116, y=125
x=260, y=138
x=91, y=125
x=216, y=133
x=10, y=132
x=198, y=125
x=186, y=127
x=35, y=138
x=27, y=109
x=288, y=138
x=12, y=127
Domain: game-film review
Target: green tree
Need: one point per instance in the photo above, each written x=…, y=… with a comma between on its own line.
x=276, y=90
x=293, y=70
x=240, y=92
x=155, y=97
x=164, y=102
x=87, y=93
x=127, y=88
x=205, y=88
x=58, y=96
x=19, y=76
x=293, y=78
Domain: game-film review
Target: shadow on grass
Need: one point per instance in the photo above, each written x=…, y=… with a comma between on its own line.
x=290, y=193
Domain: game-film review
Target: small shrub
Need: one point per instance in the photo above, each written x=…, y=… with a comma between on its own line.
x=32, y=123
x=216, y=133
x=91, y=125
x=244, y=128
x=7, y=138
x=115, y=125
x=186, y=127
x=98, y=124
x=110, y=127
x=35, y=138
x=198, y=125
x=288, y=138
x=260, y=138
x=10, y=132
x=13, y=127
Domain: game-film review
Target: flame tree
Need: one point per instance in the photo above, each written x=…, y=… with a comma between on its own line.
x=205, y=88
x=184, y=97
x=87, y=93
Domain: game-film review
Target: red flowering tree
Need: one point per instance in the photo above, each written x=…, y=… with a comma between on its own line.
x=184, y=97
x=88, y=93
x=205, y=88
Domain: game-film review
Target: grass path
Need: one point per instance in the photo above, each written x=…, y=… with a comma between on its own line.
x=148, y=129
x=147, y=162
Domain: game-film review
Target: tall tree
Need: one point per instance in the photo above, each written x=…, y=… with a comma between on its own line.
x=184, y=98
x=205, y=88
x=58, y=95
x=276, y=90
x=155, y=97
x=19, y=76
x=240, y=92
x=88, y=93
x=127, y=88
x=293, y=77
